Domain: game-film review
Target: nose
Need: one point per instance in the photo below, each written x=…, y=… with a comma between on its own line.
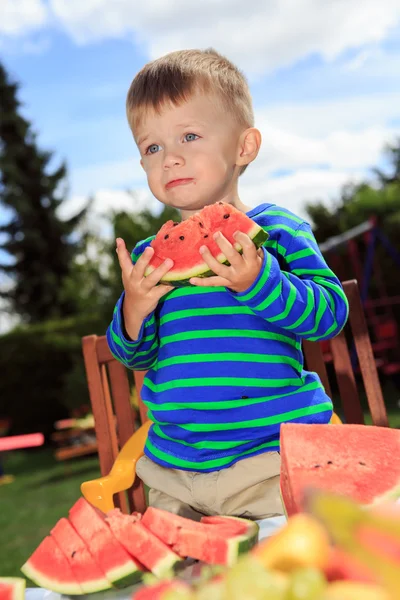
x=173, y=159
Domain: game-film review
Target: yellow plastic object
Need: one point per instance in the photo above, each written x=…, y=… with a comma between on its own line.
x=335, y=420
x=100, y=492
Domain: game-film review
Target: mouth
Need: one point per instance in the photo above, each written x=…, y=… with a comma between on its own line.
x=178, y=182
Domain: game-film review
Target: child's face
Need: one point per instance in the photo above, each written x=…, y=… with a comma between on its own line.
x=189, y=152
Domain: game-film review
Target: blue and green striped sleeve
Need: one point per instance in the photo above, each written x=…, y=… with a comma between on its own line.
x=139, y=354
x=301, y=295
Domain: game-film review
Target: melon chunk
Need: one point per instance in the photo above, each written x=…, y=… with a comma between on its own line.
x=358, y=461
x=181, y=242
x=142, y=544
x=12, y=588
x=215, y=540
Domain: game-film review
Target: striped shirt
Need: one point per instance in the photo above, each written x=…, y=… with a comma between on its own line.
x=225, y=369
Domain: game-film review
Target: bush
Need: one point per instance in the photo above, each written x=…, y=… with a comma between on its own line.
x=43, y=375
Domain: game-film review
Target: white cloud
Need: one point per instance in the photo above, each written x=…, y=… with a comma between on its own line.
x=107, y=200
x=272, y=34
x=325, y=143
x=119, y=173
x=294, y=190
x=18, y=17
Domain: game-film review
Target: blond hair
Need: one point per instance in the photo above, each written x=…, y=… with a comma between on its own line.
x=176, y=76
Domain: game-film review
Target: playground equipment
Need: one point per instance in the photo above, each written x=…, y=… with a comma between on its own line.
x=16, y=442
x=379, y=310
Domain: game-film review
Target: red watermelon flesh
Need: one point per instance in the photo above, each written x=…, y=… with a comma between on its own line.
x=219, y=542
x=164, y=589
x=166, y=525
x=359, y=461
x=90, y=576
x=49, y=568
x=142, y=544
x=118, y=566
x=12, y=588
x=181, y=241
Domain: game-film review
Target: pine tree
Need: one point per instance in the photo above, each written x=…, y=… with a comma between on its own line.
x=40, y=246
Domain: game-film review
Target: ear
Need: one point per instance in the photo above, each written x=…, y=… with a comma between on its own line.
x=142, y=165
x=248, y=146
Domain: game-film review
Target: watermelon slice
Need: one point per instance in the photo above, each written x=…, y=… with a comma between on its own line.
x=358, y=461
x=142, y=544
x=120, y=568
x=91, y=578
x=215, y=540
x=164, y=589
x=181, y=241
x=12, y=588
x=48, y=568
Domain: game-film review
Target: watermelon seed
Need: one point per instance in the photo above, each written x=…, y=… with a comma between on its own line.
x=166, y=236
x=201, y=224
x=73, y=554
x=175, y=224
x=317, y=466
x=181, y=237
x=329, y=462
x=206, y=235
x=362, y=463
x=226, y=216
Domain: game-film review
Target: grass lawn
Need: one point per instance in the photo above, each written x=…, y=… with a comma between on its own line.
x=42, y=493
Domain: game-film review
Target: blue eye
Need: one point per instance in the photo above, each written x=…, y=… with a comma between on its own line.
x=191, y=137
x=153, y=149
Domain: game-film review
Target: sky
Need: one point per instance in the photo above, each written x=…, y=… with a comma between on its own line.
x=324, y=75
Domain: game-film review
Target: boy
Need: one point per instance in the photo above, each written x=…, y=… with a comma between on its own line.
x=224, y=356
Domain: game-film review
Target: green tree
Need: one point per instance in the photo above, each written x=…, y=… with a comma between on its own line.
x=357, y=203
x=38, y=246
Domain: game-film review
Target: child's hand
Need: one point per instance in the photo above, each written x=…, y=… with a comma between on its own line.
x=141, y=293
x=243, y=270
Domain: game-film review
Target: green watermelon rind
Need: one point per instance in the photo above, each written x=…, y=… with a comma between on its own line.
x=18, y=584
x=72, y=589
x=241, y=544
x=182, y=279
x=166, y=565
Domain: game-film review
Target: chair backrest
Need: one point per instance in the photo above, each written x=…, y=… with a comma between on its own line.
x=343, y=367
x=116, y=419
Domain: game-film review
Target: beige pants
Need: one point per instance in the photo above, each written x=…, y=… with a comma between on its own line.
x=250, y=488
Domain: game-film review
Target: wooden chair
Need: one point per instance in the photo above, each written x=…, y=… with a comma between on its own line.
x=109, y=390
x=343, y=368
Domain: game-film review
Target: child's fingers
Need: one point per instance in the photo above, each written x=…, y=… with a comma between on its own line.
x=230, y=252
x=143, y=262
x=124, y=258
x=249, y=249
x=213, y=263
x=155, y=277
x=210, y=281
x=163, y=289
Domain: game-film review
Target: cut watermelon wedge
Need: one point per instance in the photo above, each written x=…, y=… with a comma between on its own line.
x=164, y=590
x=182, y=241
x=12, y=588
x=216, y=540
x=358, y=461
x=90, y=576
x=119, y=568
x=142, y=544
x=48, y=568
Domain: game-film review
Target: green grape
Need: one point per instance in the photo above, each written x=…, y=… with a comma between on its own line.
x=306, y=584
x=212, y=590
x=250, y=580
